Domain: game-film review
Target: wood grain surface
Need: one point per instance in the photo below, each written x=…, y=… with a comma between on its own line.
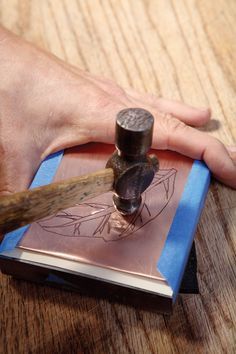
x=181, y=49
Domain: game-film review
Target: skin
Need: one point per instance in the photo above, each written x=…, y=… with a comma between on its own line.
x=47, y=105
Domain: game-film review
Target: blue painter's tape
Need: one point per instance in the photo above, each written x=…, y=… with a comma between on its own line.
x=176, y=250
x=43, y=176
x=177, y=246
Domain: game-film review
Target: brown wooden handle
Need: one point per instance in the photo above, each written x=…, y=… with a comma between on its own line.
x=22, y=208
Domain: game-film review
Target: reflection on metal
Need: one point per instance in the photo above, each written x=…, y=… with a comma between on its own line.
x=101, y=220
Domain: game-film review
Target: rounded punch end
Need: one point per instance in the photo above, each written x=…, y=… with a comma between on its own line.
x=134, y=128
x=126, y=206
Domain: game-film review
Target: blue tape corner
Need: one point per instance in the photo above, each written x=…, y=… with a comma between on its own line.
x=177, y=247
x=178, y=244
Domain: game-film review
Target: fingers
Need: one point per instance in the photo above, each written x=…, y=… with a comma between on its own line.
x=188, y=141
x=187, y=114
x=192, y=116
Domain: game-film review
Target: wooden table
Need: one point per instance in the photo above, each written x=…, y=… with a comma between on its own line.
x=183, y=49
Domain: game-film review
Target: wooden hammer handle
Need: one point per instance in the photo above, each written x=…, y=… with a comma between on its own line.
x=22, y=208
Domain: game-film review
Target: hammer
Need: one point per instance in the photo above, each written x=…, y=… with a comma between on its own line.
x=129, y=172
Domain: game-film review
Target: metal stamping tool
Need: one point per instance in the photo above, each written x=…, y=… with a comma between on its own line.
x=133, y=168
x=128, y=172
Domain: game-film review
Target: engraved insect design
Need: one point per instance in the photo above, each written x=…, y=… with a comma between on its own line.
x=94, y=219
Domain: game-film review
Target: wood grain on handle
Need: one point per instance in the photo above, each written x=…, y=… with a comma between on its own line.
x=25, y=207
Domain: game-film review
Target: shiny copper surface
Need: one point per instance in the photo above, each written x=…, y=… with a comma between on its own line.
x=94, y=232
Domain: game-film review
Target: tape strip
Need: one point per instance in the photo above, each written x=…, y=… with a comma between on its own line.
x=178, y=244
x=177, y=247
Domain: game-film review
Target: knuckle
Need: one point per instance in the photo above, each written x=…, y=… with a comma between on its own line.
x=103, y=101
x=111, y=88
x=6, y=190
x=170, y=127
x=7, y=178
x=215, y=144
x=117, y=92
x=107, y=101
x=173, y=124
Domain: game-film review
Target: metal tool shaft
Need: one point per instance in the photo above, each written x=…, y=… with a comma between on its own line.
x=129, y=172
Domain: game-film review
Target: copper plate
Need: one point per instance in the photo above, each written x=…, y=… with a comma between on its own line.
x=93, y=232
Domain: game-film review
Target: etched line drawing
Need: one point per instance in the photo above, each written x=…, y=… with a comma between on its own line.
x=95, y=219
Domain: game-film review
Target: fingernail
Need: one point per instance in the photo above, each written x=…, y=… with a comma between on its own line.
x=232, y=148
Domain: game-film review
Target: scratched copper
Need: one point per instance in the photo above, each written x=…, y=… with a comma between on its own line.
x=94, y=232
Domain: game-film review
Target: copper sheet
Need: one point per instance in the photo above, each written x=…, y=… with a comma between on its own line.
x=94, y=232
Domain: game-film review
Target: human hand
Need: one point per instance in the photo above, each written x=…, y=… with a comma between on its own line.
x=47, y=105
